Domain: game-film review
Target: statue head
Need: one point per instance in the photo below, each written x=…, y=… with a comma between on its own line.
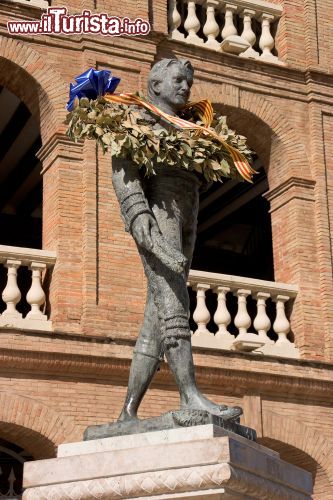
x=169, y=84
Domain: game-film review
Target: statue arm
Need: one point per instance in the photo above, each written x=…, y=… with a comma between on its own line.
x=128, y=188
x=139, y=218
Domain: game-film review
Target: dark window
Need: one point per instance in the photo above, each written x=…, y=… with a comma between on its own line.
x=12, y=458
x=234, y=230
x=20, y=179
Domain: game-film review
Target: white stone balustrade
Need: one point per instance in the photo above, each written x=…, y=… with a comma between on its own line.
x=37, y=261
x=241, y=27
x=38, y=4
x=232, y=294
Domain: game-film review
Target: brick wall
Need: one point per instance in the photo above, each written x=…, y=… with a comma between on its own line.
x=48, y=398
x=97, y=288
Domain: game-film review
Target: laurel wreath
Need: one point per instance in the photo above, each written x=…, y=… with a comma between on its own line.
x=129, y=133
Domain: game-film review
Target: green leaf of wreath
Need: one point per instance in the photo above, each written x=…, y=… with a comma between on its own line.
x=128, y=132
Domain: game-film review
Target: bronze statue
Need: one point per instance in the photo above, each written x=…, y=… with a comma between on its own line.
x=156, y=209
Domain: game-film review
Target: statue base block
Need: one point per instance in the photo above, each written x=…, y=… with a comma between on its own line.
x=169, y=420
x=204, y=461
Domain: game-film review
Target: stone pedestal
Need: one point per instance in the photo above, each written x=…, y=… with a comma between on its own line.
x=205, y=462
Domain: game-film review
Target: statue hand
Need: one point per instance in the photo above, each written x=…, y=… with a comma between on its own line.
x=142, y=230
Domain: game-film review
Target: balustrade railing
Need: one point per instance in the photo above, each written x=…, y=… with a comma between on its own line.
x=245, y=300
x=40, y=4
x=32, y=300
x=242, y=27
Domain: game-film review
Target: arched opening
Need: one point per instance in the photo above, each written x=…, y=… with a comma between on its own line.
x=29, y=117
x=20, y=184
x=20, y=171
x=234, y=235
x=234, y=225
x=36, y=444
x=35, y=427
x=12, y=459
x=20, y=179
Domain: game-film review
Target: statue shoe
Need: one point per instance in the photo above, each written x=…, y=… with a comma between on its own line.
x=222, y=407
x=216, y=411
x=231, y=413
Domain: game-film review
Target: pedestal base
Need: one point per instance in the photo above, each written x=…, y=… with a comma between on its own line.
x=205, y=462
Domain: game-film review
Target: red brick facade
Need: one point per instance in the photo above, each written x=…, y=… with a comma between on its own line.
x=53, y=385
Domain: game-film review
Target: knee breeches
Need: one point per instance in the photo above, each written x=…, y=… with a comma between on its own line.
x=175, y=206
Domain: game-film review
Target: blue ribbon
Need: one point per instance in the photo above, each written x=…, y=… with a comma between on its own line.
x=91, y=84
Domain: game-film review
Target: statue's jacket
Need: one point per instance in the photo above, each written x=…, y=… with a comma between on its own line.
x=136, y=192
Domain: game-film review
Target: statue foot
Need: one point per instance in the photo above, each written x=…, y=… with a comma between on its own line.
x=200, y=402
x=232, y=413
x=127, y=415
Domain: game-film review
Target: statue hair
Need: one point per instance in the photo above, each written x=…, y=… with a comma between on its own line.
x=157, y=73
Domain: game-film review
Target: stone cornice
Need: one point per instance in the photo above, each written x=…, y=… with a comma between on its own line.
x=21, y=10
x=292, y=188
x=269, y=378
x=59, y=146
x=263, y=383
x=314, y=74
x=101, y=346
x=289, y=183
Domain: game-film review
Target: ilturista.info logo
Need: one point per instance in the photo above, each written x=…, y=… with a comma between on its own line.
x=58, y=21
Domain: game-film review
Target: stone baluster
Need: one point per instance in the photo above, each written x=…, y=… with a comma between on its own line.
x=232, y=42
x=222, y=316
x=211, y=29
x=229, y=28
x=192, y=24
x=242, y=319
x=201, y=315
x=245, y=341
x=175, y=21
x=36, y=295
x=281, y=325
x=266, y=42
x=262, y=322
x=11, y=294
x=248, y=34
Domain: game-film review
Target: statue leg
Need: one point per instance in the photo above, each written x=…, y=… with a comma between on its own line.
x=171, y=297
x=180, y=361
x=180, y=357
x=146, y=359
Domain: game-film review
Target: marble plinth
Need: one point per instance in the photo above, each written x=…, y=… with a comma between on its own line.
x=205, y=462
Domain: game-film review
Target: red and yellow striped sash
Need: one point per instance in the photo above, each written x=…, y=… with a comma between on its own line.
x=205, y=111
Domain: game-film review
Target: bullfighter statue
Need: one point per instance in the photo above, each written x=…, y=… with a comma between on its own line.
x=164, y=204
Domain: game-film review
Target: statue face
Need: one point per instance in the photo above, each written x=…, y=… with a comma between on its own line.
x=174, y=89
